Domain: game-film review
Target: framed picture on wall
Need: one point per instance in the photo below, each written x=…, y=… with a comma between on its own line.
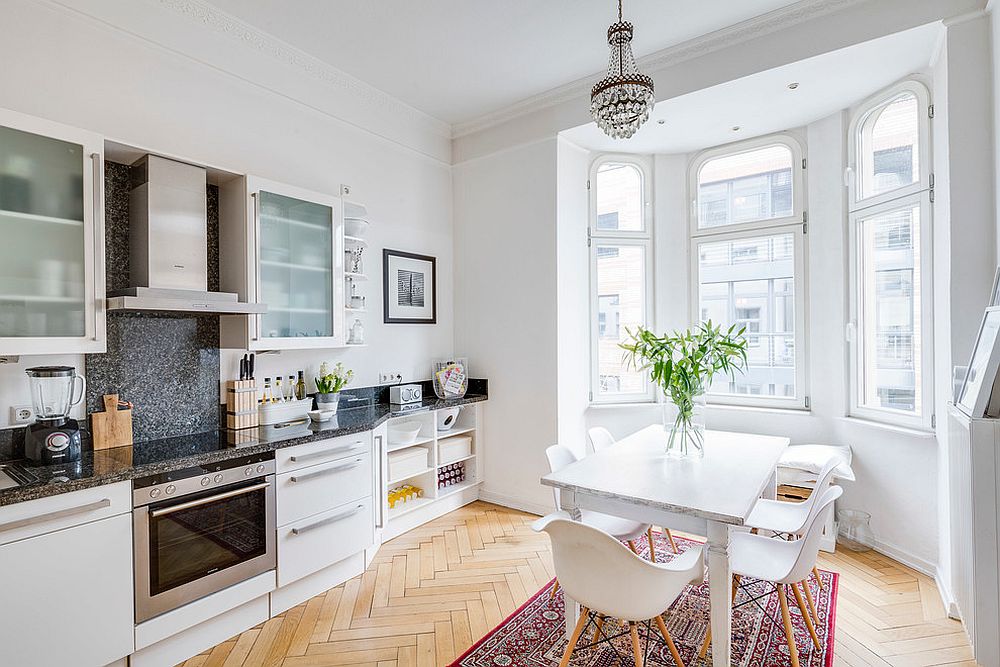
x=409, y=288
x=980, y=395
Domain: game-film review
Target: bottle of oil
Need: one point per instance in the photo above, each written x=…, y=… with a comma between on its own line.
x=300, y=386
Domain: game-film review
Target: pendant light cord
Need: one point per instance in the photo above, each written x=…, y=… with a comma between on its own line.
x=621, y=64
x=619, y=11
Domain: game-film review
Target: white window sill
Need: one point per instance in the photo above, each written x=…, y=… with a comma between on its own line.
x=620, y=405
x=728, y=407
x=895, y=428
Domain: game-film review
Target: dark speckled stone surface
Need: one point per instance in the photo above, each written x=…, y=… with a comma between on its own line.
x=168, y=454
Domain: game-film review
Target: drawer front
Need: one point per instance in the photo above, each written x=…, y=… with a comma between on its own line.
x=323, y=487
x=321, y=540
x=323, y=451
x=37, y=517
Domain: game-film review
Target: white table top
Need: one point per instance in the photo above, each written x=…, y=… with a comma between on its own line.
x=723, y=486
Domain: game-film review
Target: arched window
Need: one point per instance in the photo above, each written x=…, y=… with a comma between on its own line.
x=750, y=186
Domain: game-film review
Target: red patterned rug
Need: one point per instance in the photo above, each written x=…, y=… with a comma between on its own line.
x=534, y=635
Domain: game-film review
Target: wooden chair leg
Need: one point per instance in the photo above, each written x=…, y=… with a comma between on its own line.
x=806, y=616
x=819, y=579
x=652, y=545
x=631, y=545
x=809, y=599
x=598, y=631
x=636, y=651
x=670, y=642
x=670, y=538
x=708, y=635
x=575, y=637
x=786, y=620
x=555, y=589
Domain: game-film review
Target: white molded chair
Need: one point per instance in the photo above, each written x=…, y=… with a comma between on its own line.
x=601, y=439
x=784, y=563
x=608, y=580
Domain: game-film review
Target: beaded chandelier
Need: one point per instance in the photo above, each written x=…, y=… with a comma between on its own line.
x=621, y=101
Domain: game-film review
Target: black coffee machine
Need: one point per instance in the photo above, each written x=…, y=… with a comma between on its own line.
x=53, y=438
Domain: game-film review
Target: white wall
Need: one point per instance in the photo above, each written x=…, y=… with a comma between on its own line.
x=218, y=102
x=505, y=254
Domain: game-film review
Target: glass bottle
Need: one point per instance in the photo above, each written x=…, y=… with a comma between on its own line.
x=290, y=389
x=266, y=394
x=300, y=386
x=278, y=396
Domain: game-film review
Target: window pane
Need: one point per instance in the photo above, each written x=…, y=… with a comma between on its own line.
x=745, y=187
x=621, y=303
x=619, y=198
x=890, y=147
x=750, y=282
x=889, y=327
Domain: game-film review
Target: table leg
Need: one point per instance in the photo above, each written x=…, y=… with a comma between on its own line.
x=567, y=503
x=720, y=592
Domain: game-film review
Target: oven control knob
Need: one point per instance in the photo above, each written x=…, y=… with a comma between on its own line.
x=218, y=478
x=260, y=468
x=205, y=481
x=170, y=489
x=248, y=471
x=154, y=493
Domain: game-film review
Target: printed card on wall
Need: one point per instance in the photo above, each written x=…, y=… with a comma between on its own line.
x=409, y=288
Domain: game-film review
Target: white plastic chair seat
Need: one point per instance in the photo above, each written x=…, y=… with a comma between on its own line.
x=777, y=515
x=620, y=529
x=761, y=557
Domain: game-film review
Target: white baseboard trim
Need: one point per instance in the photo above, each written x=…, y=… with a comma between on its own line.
x=922, y=566
x=514, y=503
x=951, y=607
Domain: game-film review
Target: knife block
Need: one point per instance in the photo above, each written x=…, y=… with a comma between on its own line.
x=241, y=404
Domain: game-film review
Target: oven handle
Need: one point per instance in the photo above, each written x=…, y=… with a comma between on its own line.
x=322, y=454
x=329, y=519
x=211, y=499
x=327, y=471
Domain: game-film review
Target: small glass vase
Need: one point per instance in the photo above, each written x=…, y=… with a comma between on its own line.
x=855, y=530
x=684, y=427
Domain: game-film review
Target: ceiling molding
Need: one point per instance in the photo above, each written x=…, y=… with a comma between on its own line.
x=227, y=25
x=759, y=26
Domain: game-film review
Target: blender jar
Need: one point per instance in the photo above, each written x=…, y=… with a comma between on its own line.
x=54, y=391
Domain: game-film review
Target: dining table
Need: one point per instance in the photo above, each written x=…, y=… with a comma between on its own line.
x=709, y=495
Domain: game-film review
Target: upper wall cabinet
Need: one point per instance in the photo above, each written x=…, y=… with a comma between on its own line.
x=52, y=232
x=284, y=247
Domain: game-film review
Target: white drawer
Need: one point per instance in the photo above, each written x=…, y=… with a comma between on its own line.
x=311, y=544
x=300, y=456
x=36, y=517
x=322, y=487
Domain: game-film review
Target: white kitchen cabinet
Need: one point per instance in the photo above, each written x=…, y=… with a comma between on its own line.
x=282, y=246
x=316, y=542
x=52, y=229
x=67, y=593
x=322, y=487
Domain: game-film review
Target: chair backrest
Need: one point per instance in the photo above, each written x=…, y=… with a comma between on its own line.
x=809, y=543
x=600, y=438
x=559, y=457
x=602, y=574
x=810, y=506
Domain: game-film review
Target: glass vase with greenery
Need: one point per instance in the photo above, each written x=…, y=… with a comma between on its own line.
x=682, y=365
x=329, y=383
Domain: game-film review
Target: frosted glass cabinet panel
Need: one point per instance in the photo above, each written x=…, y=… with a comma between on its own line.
x=51, y=254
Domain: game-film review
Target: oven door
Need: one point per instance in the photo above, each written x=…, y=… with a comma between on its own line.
x=195, y=545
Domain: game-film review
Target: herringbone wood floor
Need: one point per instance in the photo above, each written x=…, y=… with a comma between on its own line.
x=432, y=592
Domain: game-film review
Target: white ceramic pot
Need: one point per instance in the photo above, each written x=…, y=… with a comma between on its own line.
x=327, y=402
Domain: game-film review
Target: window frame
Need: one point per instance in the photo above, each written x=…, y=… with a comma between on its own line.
x=798, y=181
x=635, y=238
x=919, y=194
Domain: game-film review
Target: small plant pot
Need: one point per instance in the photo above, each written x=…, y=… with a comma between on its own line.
x=327, y=402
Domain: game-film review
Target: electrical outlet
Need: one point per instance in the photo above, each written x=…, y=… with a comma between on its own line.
x=389, y=378
x=345, y=190
x=21, y=414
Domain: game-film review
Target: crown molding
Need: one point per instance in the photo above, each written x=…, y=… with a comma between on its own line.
x=758, y=26
x=228, y=26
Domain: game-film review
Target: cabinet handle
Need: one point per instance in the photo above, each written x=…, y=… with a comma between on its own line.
x=328, y=520
x=301, y=458
x=326, y=471
x=58, y=514
x=379, y=497
x=99, y=284
x=211, y=499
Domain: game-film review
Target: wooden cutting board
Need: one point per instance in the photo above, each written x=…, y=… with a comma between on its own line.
x=113, y=427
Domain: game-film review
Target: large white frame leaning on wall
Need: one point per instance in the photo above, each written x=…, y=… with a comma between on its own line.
x=917, y=195
x=794, y=224
x=642, y=239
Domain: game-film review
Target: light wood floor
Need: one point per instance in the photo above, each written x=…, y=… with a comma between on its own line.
x=432, y=592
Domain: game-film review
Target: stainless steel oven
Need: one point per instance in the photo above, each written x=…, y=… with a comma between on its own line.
x=200, y=530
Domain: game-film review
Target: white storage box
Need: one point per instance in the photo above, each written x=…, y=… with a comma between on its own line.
x=453, y=449
x=407, y=462
x=280, y=413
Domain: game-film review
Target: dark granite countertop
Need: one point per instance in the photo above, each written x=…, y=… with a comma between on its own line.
x=157, y=456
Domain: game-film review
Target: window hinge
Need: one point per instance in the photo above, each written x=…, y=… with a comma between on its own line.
x=807, y=402
x=803, y=163
x=930, y=181
x=588, y=237
x=591, y=396
x=931, y=193
x=933, y=421
x=805, y=216
x=930, y=111
x=588, y=183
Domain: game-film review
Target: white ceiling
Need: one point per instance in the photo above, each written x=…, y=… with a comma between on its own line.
x=460, y=59
x=762, y=103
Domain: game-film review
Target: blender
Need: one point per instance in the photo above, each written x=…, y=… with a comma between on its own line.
x=53, y=437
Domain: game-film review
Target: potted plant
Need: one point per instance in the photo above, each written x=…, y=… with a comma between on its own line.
x=328, y=385
x=682, y=366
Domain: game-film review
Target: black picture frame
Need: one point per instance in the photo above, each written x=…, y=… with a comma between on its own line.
x=390, y=287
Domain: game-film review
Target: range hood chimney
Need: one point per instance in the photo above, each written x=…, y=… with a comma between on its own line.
x=168, y=243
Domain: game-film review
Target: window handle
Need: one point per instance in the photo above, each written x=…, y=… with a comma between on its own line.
x=850, y=331
x=848, y=175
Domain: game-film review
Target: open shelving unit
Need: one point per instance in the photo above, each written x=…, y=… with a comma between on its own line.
x=435, y=501
x=352, y=279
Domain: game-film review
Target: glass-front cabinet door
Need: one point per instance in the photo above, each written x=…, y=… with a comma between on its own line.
x=51, y=238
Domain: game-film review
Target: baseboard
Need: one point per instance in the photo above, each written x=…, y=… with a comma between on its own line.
x=906, y=558
x=514, y=503
x=951, y=607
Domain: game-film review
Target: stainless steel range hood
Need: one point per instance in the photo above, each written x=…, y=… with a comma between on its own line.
x=168, y=243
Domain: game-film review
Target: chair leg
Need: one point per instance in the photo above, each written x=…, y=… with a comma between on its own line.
x=806, y=616
x=819, y=580
x=555, y=589
x=575, y=637
x=652, y=545
x=631, y=545
x=670, y=642
x=809, y=599
x=786, y=620
x=598, y=631
x=708, y=635
x=670, y=538
x=636, y=651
